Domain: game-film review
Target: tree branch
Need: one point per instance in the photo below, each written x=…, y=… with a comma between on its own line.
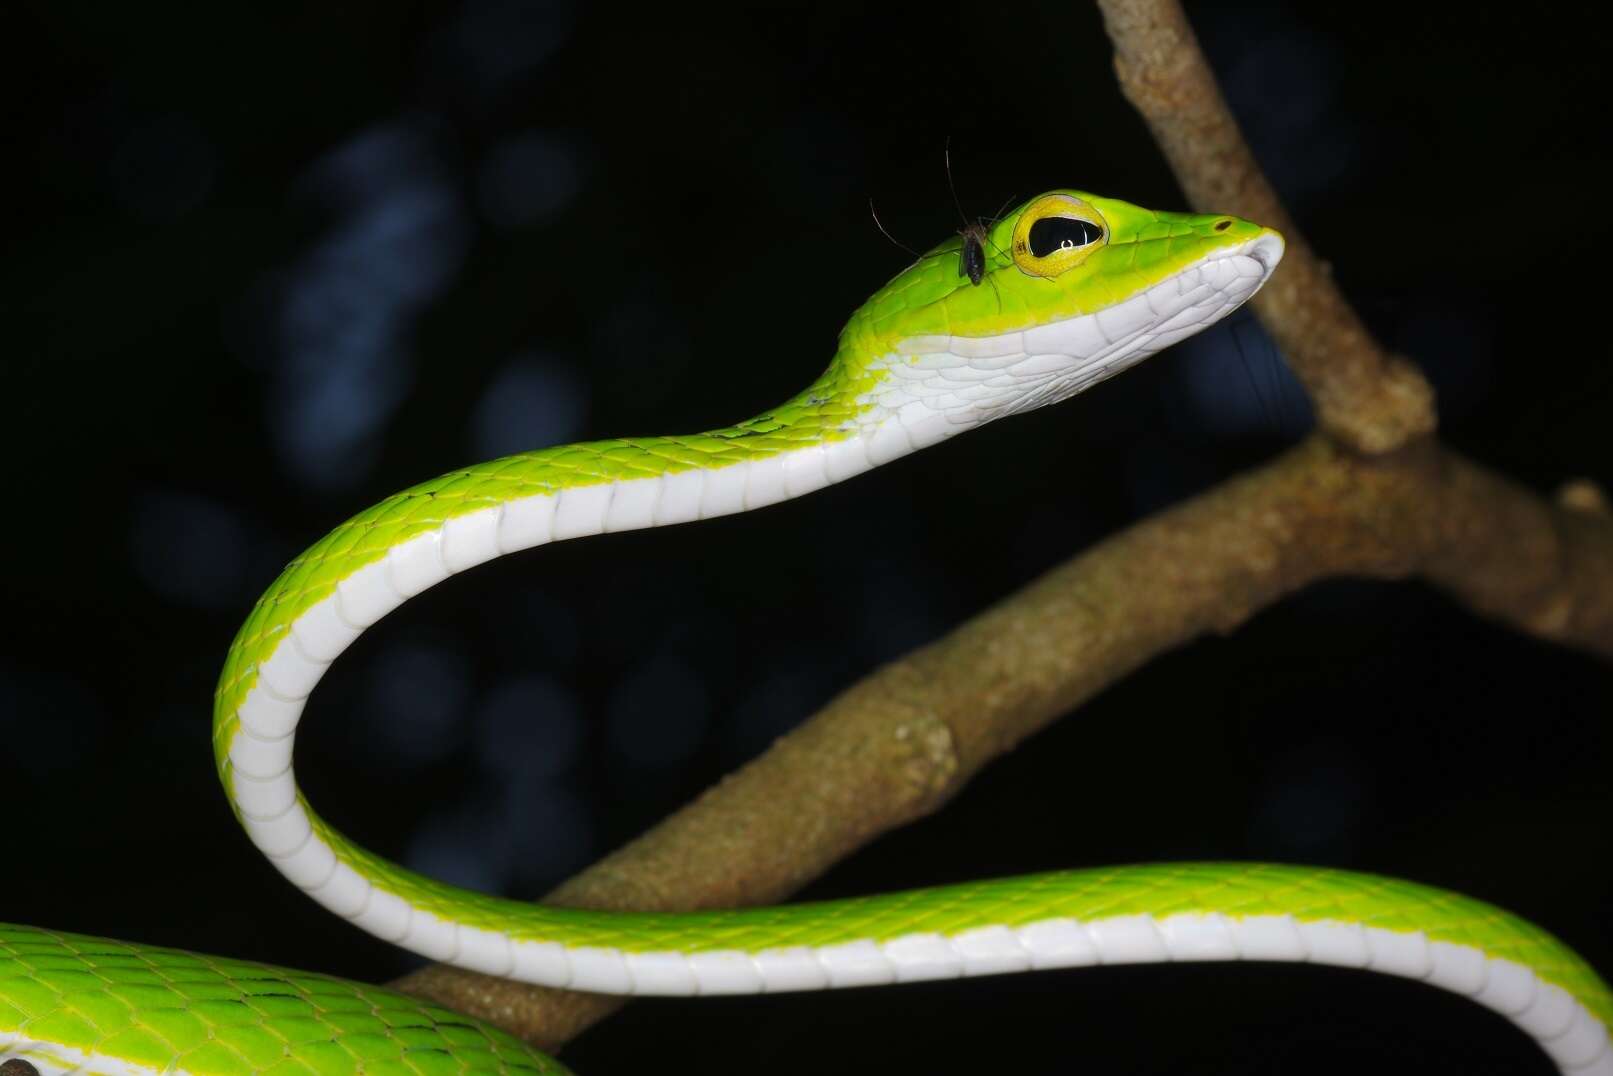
x=899, y=744
x=1370, y=495
x=1366, y=400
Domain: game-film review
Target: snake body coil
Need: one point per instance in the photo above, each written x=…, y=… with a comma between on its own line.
x=1074, y=288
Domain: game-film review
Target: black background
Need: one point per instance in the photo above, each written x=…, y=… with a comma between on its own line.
x=269, y=263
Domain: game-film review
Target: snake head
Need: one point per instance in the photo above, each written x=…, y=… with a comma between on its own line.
x=1075, y=288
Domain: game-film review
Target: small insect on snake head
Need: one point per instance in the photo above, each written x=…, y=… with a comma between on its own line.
x=972, y=256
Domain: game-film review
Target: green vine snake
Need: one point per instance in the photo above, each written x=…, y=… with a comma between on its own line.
x=1068, y=289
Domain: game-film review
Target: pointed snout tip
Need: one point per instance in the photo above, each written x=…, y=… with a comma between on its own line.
x=1267, y=249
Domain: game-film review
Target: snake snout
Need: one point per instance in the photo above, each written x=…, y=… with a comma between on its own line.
x=1267, y=249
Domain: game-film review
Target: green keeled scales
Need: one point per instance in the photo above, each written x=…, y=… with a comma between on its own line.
x=1074, y=289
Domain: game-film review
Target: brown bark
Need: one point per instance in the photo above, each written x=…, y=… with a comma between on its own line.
x=1371, y=494
x=898, y=744
x=1365, y=399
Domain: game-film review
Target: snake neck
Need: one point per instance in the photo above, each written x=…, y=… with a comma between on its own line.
x=377, y=560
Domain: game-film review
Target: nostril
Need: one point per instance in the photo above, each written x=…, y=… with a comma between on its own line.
x=1222, y=225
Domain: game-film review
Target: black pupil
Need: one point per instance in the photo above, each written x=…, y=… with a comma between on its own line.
x=1062, y=233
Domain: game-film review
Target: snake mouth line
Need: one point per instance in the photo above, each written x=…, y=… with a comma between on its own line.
x=1250, y=265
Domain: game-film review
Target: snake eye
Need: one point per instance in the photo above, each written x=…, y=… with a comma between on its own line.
x=1055, y=233
x=1062, y=233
